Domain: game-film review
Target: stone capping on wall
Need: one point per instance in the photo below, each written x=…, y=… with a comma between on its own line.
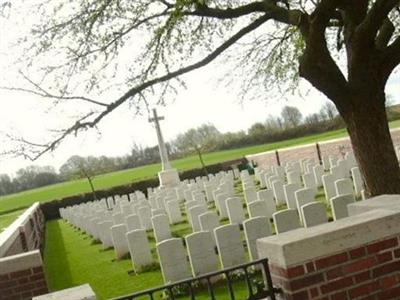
x=12, y=232
x=82, y=292
x=298, y=246
x=20, y=262
x=388, y=202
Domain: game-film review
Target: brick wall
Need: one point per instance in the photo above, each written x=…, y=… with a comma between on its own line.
x=352, y=258
x=368, y=272
x=22, y=276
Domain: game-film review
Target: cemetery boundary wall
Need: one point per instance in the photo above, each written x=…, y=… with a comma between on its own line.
x=352, y=258
x=26, y=233
x=51, y=209
x=21, y=266
x=326, y=148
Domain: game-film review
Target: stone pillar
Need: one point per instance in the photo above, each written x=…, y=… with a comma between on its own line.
x=353, y=258
x=168, y=177
x=22, y=276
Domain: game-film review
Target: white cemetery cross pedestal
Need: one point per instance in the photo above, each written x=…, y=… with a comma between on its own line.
x=139, y=248
x=168, y=177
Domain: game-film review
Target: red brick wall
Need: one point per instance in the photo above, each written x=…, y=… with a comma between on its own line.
x=370, y=272
x=23, y=284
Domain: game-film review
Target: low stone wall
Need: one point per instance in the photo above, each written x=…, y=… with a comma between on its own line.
x=327, y=148
x=353, y=258
x=21, y=267
x=24, y=234
x=22, y=276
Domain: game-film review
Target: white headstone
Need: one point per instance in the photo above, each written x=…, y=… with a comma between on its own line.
x=286, y=220
x=314, y=214
x=255, y=228
x=144, y=214
x=290, y=189
x=357, y=180
x=235, y=210
x=277, y=187
x=230, y=246
x=118, y=233
x=139, y=248
x=174, y=212
x=328, y=182
x=161, y=228
x=194, y=214
x=202, y=256
x=173, y=260
x=344, y=186
x=132, y=222
x=339, y=206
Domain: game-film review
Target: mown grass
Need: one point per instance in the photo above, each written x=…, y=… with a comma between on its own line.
x=72, y=258
x=58, y=191
x=109, y=180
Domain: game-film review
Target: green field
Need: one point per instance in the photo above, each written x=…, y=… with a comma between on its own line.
x=24, y=199
x=109, y=180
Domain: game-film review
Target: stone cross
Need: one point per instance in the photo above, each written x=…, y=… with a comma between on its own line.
x=161, y=145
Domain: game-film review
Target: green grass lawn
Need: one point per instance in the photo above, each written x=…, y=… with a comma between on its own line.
x=72, y=258
x=109, y=180
x=58, y=191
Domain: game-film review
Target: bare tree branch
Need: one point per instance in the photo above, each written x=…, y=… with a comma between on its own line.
x=40, y=91
x=82, y=124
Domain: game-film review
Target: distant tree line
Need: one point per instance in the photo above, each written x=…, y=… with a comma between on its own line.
x=195, y=141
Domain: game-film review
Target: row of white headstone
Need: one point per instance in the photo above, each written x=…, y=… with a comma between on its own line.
x=163, y=207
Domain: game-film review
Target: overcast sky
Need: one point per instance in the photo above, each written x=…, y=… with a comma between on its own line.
x=202, y=102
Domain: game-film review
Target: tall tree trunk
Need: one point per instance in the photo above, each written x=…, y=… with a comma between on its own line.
x=368, y=128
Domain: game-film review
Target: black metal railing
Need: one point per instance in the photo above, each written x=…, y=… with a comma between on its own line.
x=246, y=273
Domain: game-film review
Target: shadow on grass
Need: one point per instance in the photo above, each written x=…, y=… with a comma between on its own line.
x=56, y=258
